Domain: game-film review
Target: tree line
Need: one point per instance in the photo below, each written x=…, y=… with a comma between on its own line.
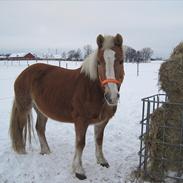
x=130, y=54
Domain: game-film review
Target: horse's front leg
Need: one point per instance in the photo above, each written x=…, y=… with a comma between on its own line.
x=99, y=133
x=80, y=129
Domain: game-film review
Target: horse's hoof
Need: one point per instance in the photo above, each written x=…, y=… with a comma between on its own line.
x=22, y=151
x=45, y=153
x=80, y=176
x=105, y=165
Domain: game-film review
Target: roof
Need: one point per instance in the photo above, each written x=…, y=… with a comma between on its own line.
x=3, y=56
x=18, y=55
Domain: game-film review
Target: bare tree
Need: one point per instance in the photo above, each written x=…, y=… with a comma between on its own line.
x=146, y=54
x=71, y=55
x=130, y=54
x=87, y=50
x=78, y=54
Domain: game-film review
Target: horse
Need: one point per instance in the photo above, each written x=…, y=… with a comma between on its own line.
x=84, y=96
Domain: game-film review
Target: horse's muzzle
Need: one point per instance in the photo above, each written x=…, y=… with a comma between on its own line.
x=111, y=101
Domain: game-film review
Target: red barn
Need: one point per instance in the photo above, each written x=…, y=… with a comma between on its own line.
x=22, y=56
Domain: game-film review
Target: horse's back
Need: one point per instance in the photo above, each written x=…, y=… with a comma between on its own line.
x=50, y=88
x=40, y=72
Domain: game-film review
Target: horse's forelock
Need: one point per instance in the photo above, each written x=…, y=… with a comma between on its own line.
x=108, y=42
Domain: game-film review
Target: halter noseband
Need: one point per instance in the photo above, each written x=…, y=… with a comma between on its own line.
x=105, y=81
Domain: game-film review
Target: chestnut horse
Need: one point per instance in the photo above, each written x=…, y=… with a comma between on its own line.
x=84, y=96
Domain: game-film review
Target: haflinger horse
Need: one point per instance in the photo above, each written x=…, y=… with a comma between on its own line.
x=84, y=96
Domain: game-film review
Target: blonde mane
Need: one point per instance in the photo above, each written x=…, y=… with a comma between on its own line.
x=89, y=66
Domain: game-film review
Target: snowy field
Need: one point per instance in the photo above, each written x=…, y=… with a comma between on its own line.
x=121, y=143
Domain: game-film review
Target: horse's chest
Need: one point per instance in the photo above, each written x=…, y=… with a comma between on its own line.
x=89, y=105
x=102, y=114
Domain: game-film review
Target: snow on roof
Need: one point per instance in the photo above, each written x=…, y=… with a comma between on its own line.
x=18, y=55
x=57, y=56
x=3, y=56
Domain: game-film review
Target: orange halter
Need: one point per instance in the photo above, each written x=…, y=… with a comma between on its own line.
x=104, y=82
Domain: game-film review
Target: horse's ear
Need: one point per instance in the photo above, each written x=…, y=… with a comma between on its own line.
x=118, y=40
x=100, y=40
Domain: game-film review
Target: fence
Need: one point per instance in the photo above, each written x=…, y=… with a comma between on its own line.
x=57, y=62
x=150, y=104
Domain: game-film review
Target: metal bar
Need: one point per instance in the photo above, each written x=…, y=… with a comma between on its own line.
x=140, y=152
x=162, y=102
x=142, y=129
x=143, y=120
x=154, y=103
x=160, y=94
x=141, y=164
x=142, y=135
x=147, y=131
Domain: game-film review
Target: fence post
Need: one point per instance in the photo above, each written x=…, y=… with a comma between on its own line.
x=137, y=67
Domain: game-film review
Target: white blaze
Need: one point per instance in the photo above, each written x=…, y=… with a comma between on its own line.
x=109, y=56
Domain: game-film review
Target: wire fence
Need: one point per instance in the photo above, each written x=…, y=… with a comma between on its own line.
x=57, y=62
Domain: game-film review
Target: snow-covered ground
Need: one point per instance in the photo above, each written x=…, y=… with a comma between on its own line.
x=121, y=143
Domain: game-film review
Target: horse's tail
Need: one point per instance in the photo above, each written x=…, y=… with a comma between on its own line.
x=20, y=124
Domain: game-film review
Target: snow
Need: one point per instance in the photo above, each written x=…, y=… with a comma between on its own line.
x=121, y=143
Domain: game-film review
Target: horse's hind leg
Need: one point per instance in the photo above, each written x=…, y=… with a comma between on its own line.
x=99, y=132
x=40, y=128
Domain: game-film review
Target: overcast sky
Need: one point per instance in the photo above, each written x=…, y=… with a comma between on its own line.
x=42, y=25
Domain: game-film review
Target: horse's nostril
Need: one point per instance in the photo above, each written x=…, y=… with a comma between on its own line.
x=107, y=96
x=118, y=95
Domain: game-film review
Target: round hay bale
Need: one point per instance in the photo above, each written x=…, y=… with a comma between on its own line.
x=164, y=140
x=171, y=75
x=171, y=79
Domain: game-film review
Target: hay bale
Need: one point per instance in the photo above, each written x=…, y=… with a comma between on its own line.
x=164, y=140
x=171, y=75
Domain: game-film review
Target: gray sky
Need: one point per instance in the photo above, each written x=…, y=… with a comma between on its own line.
x=39, y=25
